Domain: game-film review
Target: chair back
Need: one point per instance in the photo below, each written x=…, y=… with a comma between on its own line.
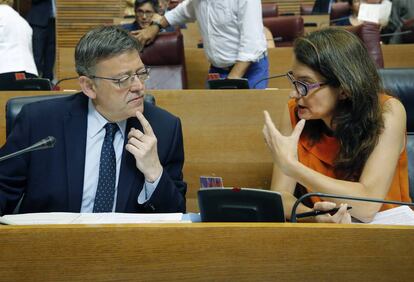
x=285, y=29
x=400, y=83
x=340, y=10
x=408, y=26
x=369, y=33
x=14, y=106
x=269, y=10
x=165, y=57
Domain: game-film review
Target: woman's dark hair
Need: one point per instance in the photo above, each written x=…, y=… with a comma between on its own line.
x=154, y=3
x=340, y=57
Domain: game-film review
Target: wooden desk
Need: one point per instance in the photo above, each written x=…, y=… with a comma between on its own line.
x=207, y=252
x=321, y=21
x=280, y=61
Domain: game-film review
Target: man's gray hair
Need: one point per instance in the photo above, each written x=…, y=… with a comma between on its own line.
x=102, y=43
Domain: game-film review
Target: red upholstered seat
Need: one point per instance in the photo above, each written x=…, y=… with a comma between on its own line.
x=269, y=10
x=340, y=10
x=165, y=57
x=369, y=33
x=285, y=29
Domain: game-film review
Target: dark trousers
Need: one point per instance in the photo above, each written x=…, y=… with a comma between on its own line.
x=44, y=48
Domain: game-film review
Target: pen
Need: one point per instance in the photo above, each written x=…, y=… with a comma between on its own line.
x=315, y=213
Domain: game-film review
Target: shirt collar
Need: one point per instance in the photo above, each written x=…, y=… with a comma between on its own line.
x=96, y=122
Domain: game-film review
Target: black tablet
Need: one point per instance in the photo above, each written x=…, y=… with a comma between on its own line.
x=31, y=84
x=240, y=205
x=240, y=83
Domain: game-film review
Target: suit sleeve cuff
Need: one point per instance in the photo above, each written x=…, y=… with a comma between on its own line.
x=148, y=190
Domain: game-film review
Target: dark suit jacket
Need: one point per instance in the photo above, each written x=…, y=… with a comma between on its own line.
x=52, y=179
x=40, y=12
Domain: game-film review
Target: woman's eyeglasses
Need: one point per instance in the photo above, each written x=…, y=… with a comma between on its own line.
x=302, y=87
x=127, y=80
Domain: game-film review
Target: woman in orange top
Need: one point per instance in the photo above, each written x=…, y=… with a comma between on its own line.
x=348, y=138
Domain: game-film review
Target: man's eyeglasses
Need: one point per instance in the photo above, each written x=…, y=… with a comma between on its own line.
x=143, y=13
x=303, y=87
x=127, y=80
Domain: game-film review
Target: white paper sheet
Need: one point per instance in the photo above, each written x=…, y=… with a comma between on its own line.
x=402, y=215
x=90, y=218
x=376, y=13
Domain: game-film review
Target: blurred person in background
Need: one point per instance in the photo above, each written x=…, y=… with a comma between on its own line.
x=42, y=19
x=145, y=10
x=402, y=13
x=16, y=55
x=229, y=29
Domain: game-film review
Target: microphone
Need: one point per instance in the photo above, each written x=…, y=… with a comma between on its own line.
x=267, y=78
x=395, y=33
x=46, y=143
x=339, y=19
x=293, y=216
x=57, y=87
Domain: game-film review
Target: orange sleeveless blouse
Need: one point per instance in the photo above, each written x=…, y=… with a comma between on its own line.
x=321, y=156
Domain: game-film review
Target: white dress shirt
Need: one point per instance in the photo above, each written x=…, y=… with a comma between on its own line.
x=16, y=53
x=232, y=30
x=95, y=135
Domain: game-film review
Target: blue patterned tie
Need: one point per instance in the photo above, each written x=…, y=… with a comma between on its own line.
x=104, y=199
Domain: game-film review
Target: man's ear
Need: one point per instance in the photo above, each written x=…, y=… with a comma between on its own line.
x=87, y=86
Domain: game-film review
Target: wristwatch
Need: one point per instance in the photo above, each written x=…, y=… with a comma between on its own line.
x=157, y=23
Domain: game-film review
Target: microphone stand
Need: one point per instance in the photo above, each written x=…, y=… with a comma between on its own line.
x=45, y=143
x=308, y=195
x=267, y=78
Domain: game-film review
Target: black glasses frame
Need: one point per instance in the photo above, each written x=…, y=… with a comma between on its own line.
x=142, y=75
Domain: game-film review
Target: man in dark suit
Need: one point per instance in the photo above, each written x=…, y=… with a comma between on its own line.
x=41, y=18
x=114, y=152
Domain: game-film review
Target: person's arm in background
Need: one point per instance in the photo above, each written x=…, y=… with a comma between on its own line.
x=394, y=22
x=270, y=42
x=252, y=42
x=181, y=14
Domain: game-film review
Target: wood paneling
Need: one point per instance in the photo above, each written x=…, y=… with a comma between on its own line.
x=398, y=56
x=76, y=17
x=223, y=135
x=207, y=252
x=289, y=6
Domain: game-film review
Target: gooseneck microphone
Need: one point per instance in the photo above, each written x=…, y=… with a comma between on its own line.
x=308, y=195
x=45, y=143
x=267, y=78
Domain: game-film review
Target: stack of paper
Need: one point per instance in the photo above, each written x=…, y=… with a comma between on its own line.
x=90, y=218
x=402, y=215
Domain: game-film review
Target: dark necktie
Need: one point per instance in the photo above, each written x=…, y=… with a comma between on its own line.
x=104, y=199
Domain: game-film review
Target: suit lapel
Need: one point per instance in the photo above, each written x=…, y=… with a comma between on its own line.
x=129, y=174
x=75, y=125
